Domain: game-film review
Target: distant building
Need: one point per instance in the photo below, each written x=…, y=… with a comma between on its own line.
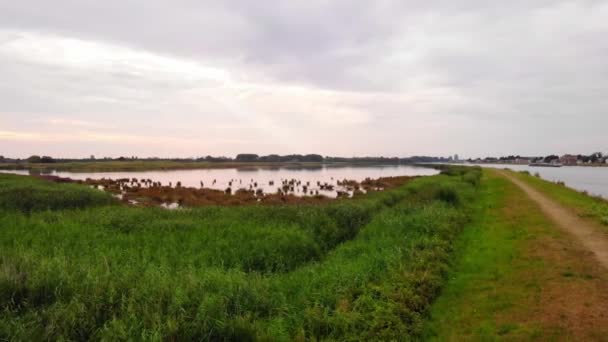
x=456, y=158
x=568, y=159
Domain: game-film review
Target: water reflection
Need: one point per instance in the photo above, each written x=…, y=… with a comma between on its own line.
x=320, y=179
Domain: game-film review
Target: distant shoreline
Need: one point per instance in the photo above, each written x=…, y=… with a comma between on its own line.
x=122, y=166
x=584, y=165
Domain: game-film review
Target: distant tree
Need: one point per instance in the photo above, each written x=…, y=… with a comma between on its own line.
x=215, y=159
x=34, y=159
x=47, y=159
x=292, y=158
x=272, y=158
x=247, y=157
x=551, y=158
x=595, y=157
x=313, y=158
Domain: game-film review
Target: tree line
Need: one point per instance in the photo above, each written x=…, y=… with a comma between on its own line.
x=241, y=158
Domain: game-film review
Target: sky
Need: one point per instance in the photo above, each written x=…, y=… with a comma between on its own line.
x=341, y=78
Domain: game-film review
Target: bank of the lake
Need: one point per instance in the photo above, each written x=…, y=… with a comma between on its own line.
x=593, y=180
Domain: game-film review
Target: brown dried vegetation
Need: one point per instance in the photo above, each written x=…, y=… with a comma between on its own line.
x=146, y=192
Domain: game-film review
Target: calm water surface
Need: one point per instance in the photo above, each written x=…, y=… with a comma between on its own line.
x=243, y=178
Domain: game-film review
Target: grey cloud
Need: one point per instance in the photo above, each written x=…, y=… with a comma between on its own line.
x=325, y=43
x=506, y=66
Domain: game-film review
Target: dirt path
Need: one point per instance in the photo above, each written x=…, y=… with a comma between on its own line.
x=586, y=232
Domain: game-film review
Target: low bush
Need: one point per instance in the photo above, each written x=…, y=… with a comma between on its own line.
x=448, y=195
x=472, y=177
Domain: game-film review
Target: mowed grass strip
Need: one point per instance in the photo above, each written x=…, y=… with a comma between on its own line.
x=367, y=268
x=517, y=277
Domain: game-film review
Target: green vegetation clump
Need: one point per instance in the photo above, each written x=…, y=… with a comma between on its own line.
x=469, y=174
x=28, y=194
x=359, y=269
x=448, y=195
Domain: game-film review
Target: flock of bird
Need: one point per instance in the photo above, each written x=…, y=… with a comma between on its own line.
x=286, y=186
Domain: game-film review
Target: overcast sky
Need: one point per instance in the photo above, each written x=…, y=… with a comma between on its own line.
x=359, y=77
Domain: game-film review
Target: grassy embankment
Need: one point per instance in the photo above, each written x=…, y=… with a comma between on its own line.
x=517, y=277
x=365, y=268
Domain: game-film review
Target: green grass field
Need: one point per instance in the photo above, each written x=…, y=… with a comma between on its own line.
x=87, y=268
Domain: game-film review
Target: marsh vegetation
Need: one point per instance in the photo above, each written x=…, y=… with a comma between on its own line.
x=90, y=268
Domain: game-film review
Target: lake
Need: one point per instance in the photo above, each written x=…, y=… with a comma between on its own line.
x=594, y=180
x=262, y=177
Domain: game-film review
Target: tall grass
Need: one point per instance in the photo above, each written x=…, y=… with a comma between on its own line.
x=27, y=194
x=358, y=269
